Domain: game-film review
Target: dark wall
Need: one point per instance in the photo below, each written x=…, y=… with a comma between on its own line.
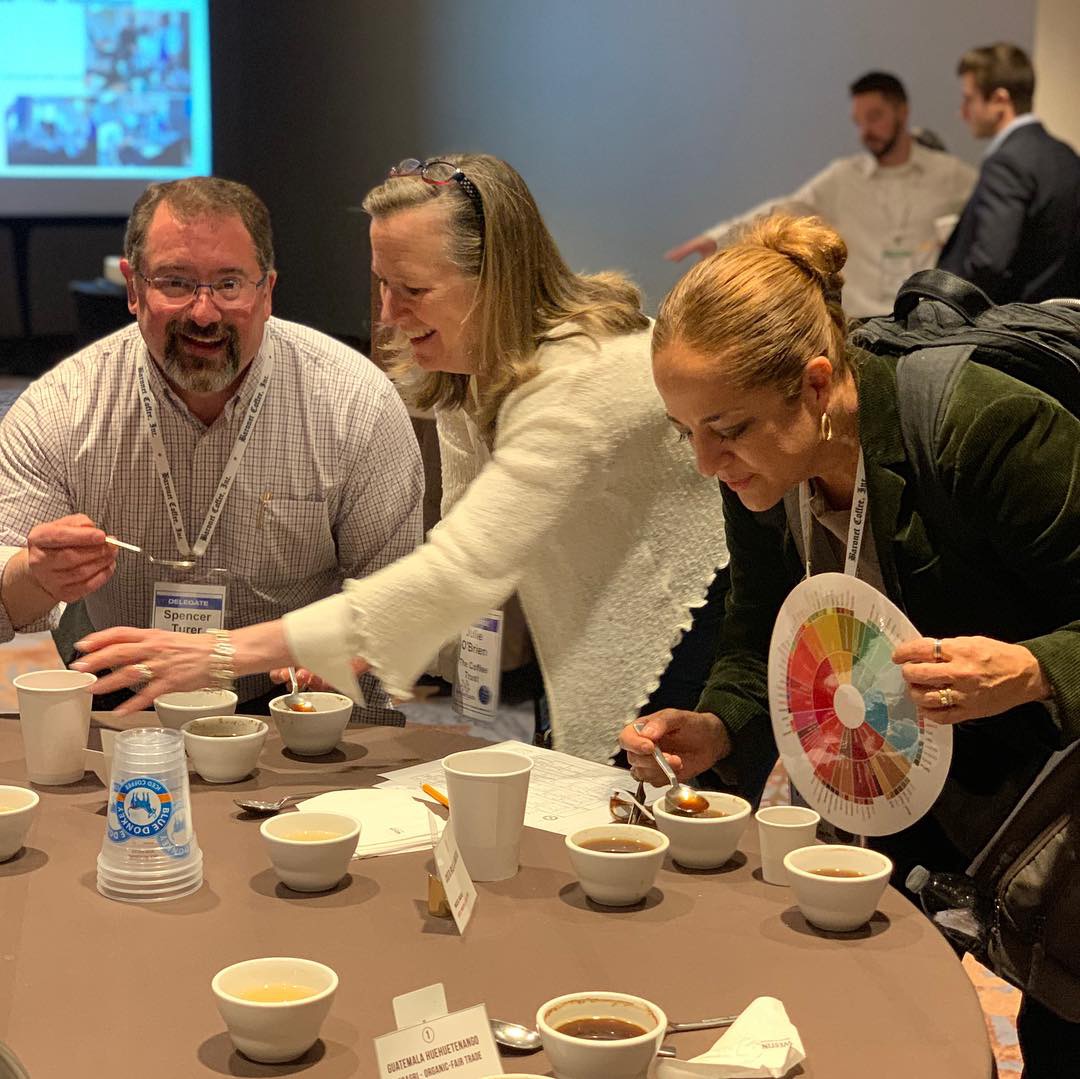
x=311, y=104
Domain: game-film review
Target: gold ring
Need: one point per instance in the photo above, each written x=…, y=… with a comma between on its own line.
x=937, y=649
x=143, y=670
x=946, y=697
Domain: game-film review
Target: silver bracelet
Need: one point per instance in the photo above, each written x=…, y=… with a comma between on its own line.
x=221, y=660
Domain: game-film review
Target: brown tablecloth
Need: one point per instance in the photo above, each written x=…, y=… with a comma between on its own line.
x=91, y=987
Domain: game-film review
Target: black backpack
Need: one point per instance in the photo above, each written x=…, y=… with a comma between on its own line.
x=1029, y=872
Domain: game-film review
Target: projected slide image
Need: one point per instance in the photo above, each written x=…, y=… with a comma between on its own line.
x=118, y=90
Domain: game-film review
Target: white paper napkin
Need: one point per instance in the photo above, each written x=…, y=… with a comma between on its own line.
x=761, y=1043
x=391, y=821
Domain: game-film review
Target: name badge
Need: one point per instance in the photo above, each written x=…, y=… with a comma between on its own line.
x=186, y=607
x=476, y=688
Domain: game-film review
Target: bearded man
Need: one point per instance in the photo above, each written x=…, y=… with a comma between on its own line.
x=893, y=205
x=266, y=460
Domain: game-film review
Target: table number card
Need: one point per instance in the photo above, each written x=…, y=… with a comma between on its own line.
x=459, y=1044
x=460, y=890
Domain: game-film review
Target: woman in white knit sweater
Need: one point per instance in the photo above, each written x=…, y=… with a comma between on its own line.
x=562, y=479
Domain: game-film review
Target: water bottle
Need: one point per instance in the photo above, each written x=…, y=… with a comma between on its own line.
x=953, y=902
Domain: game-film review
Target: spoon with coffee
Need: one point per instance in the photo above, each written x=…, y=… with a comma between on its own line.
x=680, y=798
x=295, y=701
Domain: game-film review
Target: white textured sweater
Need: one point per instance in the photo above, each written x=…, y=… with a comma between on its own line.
x=587, y=507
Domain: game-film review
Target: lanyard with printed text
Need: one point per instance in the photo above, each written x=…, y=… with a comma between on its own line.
x=232, y=466
x=856, y=526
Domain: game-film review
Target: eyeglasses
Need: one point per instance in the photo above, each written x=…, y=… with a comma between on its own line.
x=230, y=291
x=439, y=173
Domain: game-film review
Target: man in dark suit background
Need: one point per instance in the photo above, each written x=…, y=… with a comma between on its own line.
x=1019, y=235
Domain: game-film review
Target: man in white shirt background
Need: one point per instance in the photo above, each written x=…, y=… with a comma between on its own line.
x=887, y=203
x=273, y=458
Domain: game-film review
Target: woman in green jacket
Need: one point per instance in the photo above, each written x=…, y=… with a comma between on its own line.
x=750, y=357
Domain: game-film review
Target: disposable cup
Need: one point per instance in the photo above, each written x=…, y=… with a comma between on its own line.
x=487, y=789
x=54, y=713
x=150, y=851
x=782, y=829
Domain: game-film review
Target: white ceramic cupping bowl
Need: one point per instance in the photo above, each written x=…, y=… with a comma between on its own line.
x=704, y=842
x=310, y=865
x=310, y=734
x=273, y=1033
x=840, y=904
x=583, y=1058
x=224, y=749
x=616, y=880
x=18, y=806
x=176, y=709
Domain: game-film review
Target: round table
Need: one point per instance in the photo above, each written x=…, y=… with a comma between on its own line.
x=89, y=986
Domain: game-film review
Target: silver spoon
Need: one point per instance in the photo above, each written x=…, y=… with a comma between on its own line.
x=680, y=798
x=522, y=1039
x=295, y=700
x=267, y=809
x=170, y=563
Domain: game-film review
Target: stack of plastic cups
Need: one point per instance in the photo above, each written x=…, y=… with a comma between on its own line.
x=150, y=852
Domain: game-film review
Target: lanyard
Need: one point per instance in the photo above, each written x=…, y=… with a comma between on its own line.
x=856, y=526
x=232, y=466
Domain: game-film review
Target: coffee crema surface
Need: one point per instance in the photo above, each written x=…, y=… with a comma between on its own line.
x=276, y=993
x=601, y=1028
x=826, y=871
x=617, y=845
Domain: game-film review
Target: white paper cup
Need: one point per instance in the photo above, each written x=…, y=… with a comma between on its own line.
x=839, y=904
x=487, y=790
x=310, y=865
x=175, y=709
x=782, y=829
x=224, y=749
x=616, y=880
x=704, y=842
x=583, y=1058
x=272, y=1033
x=54, y=710
x=311, y=734
x=18, y=805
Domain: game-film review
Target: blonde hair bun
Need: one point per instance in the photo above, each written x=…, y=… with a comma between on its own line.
x=815, y=247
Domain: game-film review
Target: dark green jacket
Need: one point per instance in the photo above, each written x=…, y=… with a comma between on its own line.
x=1004, y=564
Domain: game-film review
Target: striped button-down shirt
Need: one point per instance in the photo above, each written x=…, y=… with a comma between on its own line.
x=330, y=486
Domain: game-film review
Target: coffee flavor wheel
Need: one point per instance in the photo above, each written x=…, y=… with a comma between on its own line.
x=850, y=738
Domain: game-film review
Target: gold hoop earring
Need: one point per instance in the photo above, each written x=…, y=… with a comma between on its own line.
x=826, y=427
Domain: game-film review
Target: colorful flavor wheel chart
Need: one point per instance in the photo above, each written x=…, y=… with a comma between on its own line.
x=851, y=739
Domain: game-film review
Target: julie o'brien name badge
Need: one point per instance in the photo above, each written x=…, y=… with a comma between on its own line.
x=185, y=607
x=428, y=1042
x=476, y=688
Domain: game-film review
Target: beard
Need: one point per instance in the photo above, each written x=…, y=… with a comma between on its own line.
x=193, y=371
x=882, y=147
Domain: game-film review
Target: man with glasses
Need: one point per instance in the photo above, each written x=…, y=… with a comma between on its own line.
x=265, y=460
